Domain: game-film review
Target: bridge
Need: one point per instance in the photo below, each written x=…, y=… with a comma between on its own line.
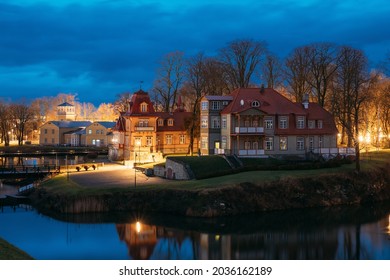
x=28, y=171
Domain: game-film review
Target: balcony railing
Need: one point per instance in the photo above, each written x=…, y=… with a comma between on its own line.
x=251, y=152
x=144, y=128
x=250, y=129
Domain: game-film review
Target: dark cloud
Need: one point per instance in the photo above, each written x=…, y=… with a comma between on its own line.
x=99, y=50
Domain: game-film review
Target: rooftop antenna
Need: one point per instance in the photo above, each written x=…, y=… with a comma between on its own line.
x=140, y=84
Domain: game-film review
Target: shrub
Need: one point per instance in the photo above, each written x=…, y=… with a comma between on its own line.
x=78, y=168
x=94, y=166
x=86, y=167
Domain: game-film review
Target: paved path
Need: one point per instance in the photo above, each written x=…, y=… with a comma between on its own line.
x=113, y=175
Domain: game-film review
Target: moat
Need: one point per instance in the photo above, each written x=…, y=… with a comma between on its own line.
x=326, y=233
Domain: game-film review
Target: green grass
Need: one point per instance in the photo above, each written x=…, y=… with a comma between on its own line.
x=60, y=185
x=10, y=252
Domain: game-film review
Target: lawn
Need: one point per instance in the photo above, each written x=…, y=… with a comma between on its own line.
x=10, y=252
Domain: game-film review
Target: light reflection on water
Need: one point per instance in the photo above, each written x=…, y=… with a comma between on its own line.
x=344, y=233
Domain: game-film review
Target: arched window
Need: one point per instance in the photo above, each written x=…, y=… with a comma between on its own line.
x=255, y=103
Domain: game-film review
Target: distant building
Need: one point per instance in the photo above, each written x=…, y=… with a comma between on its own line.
x=66, y=112
x=141, y=134
x=76, y=133
x=256, y=122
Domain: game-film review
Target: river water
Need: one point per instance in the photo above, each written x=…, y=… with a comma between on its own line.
x=334, y=233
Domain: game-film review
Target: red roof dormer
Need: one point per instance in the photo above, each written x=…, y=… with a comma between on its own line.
x=141, y=104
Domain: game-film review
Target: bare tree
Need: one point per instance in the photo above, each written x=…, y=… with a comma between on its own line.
x=169, y=80
x=297, y=69
x=122, y=103
x=21, y=115
x=241, y=59
x=354, y=85
x=196, y=75
x=5, y=123
x=271, y=71
x=216, y=80
x=322, y=68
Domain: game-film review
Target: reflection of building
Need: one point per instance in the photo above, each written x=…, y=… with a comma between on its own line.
x=140, y=239
x=144, y=133
x=258, y=122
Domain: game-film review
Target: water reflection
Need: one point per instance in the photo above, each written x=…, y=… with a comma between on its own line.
x=311, y=240
x=337, y=233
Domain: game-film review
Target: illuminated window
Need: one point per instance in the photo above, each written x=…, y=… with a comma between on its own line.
x=182, y=139
x=168, y=139
x=283, y=143
x=170, y=122
x=160, y=122
x=144, y=107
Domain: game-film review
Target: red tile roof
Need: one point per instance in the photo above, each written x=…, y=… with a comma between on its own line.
x=179, y=119
x=137, y=99
x=271, y=102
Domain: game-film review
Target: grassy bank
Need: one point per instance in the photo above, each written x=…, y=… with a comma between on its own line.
x=232, y=194
x=10, y=252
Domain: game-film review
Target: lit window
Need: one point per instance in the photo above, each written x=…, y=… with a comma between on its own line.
x=269, y=143
x=149, y=141
x=144, y=107
x=204, y=143
x=89, y=131
x=170, y=122
x=160, y=122
x=182, y=139
x=168, y=139
x=283, y=143
x=283, y=122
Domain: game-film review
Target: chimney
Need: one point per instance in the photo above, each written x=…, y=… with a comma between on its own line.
x=305, y=101
x=262, y=88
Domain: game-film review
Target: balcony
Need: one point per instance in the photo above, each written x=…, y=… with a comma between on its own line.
x=250, y=153
x=249, y=130
x=144, y=128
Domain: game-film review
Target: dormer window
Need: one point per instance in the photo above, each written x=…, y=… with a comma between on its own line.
x=255, y=103
x=170, y=122
x=144, y=107
x=160, y=122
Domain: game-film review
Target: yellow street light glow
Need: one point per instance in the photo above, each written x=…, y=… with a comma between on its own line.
x=138, y=227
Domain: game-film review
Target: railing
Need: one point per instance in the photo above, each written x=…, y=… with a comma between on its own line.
x=251, y=152
x=144, y=128
x=250, y=129
x=335, y=151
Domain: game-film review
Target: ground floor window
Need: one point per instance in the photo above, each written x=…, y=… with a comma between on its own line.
x=311, y=143
x=300, y=143
x=283, y=143
x=204, y=143
x=182, y=139
x=149, y=141
x=269, y=143
x=224, y=142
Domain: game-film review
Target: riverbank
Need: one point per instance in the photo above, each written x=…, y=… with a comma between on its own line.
x=251, y=192
x=10, y=252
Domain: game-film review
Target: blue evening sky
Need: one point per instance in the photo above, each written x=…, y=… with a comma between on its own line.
x=101, y=48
